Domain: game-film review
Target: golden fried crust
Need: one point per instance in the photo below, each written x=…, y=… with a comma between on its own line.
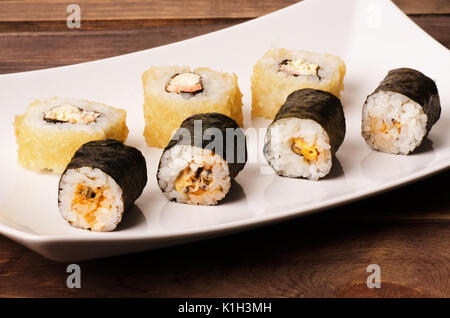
x=44, y=148
x=269, y=90
x=163, y=115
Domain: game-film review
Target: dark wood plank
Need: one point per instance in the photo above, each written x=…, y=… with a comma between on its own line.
x=104, y=39
x=424, y=7
x=406, y=232
x=57, y=48
x=437, y=26
x=55, y=10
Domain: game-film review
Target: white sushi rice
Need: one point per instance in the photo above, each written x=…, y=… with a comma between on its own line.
x=288, y=163
x=105, y=217
x=178, y=158
x=393, y=123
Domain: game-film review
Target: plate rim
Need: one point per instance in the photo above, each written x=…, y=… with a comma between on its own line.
x=234, y=225
x=237, y=225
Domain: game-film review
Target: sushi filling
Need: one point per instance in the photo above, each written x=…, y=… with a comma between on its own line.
x=194, y=182
x=70, y=114
x=298, y=67
x=385, y=129
x=393, y=123
x=90, y=199
x=193, y=175
x=310, y=153
x=188, y=82
x=298, y=148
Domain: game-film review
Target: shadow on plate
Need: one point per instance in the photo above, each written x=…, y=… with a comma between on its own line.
x=425, y=146
x=132, y=218
x=284, y=192
x=380, y=165
x=236, y=193
x=336, y=171
x=176, y=216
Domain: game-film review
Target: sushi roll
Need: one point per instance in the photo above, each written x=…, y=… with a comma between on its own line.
x=51, y=130
x=281, y=71
x=102, y=180
x=398, y=115
x=306, y=133
x=196, y=168
x=173, y=93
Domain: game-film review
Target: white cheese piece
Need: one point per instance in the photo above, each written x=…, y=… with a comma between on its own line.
x=299, y=67
x=71, y=114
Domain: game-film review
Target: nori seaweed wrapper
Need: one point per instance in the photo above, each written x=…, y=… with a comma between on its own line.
x=124, y=164
x=320, y=106
x=234, y=153
x=417, y=87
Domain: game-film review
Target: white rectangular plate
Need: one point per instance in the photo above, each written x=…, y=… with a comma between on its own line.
x=372, y=37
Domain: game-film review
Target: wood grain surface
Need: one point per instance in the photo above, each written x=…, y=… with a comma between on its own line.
x=97, y=10
x=405, y=231
x=55, y=10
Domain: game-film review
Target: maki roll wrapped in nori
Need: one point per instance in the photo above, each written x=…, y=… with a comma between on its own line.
x=200, y=162
x=398, y=115
x=305, y=134
x=102, y=180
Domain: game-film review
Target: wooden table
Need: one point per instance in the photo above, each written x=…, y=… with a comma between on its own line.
x=405, y=231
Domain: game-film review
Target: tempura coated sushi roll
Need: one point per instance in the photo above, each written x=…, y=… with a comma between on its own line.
x=51, y=130
x=102, y=180
x=173, y=93
x=305, y=134
x=281, y=71
x=202, y=159
x=398, y=115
